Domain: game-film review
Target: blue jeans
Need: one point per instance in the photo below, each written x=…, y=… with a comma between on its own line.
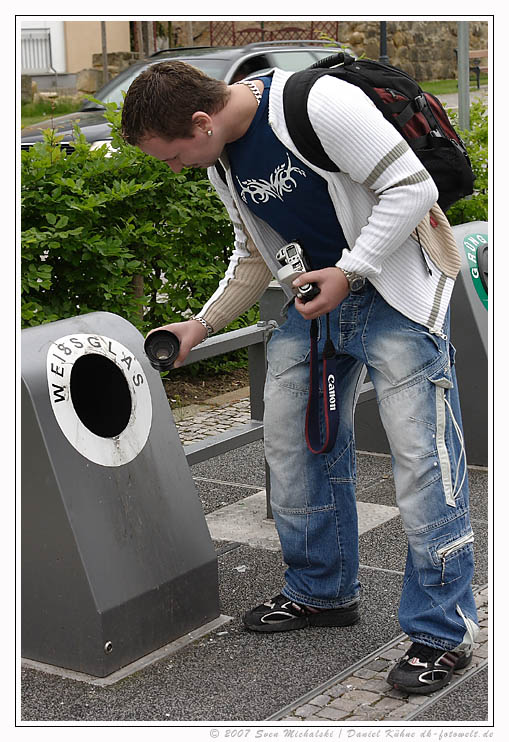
x=313, y=495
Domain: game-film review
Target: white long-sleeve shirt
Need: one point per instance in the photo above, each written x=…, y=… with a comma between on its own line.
x=381, y=194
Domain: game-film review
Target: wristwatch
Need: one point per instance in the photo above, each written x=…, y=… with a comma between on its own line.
x=355, y=281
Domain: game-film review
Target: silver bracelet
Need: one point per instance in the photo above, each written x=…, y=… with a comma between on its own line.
x=205, y=324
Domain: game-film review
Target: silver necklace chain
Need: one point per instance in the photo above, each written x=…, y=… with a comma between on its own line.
x=252, y=87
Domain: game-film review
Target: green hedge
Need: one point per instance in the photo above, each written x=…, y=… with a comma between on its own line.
x=121, y=232
x=118, y=232
x=475, y=207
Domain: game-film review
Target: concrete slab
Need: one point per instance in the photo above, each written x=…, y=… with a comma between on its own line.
x=246, y=522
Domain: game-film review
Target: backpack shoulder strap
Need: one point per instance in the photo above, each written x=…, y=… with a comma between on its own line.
x=295, y=105
x=221, y=171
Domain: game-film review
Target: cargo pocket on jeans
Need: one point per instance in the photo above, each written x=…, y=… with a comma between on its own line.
x=288, y=353
x=447, y=558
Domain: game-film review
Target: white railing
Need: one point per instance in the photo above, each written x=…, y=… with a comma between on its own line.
x=36, y=51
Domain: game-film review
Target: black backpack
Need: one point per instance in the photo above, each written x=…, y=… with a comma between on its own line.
x=418, y=116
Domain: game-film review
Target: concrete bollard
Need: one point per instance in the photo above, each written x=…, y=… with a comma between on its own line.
x=117, y=560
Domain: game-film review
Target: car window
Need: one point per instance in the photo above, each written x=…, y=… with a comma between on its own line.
x=212, y=67
x=251, y=66
x=112, y=92
x=292, y=60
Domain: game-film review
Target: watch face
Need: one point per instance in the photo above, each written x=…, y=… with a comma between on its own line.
x=356, y=283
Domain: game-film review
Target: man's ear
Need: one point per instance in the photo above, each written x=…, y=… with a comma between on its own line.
x=202, y=120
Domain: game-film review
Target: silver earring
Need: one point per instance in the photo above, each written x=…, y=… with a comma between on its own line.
x=209, y=133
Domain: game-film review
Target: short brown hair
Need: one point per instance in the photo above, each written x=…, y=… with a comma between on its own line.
x=163, y=98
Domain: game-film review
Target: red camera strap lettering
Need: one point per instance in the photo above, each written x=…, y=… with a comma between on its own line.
x=313, y=435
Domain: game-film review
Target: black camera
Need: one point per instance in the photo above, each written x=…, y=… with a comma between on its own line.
x=293, y=262
x=162, y=348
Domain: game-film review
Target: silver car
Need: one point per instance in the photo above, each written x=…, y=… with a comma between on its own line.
x=228, y=63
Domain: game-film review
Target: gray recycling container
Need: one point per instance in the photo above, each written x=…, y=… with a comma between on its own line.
x=116, y=556
x=469, y=335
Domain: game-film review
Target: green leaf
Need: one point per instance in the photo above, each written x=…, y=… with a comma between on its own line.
x=90, y=222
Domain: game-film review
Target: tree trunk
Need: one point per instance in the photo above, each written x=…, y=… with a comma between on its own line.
x=138, y=35
x=138, y=291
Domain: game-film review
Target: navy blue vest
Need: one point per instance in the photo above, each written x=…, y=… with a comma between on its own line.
x=280, y=189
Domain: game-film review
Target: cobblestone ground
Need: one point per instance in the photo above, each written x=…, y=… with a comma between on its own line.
x=212, y=421
x=365, y=694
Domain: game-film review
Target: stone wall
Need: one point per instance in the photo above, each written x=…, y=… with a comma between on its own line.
x=424, y=49
x=91, y=79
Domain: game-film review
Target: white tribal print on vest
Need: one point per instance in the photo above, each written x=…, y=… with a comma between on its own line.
x=280, y=183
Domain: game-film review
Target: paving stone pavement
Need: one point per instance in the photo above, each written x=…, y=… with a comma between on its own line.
x=211, y=420
x=363, y=694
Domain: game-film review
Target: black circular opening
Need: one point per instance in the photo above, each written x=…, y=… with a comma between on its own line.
x=100, y=395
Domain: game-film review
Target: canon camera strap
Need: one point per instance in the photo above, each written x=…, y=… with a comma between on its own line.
x=313, y=436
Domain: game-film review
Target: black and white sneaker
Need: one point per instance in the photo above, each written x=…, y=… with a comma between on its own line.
x=282, y=614
x=425, y=669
